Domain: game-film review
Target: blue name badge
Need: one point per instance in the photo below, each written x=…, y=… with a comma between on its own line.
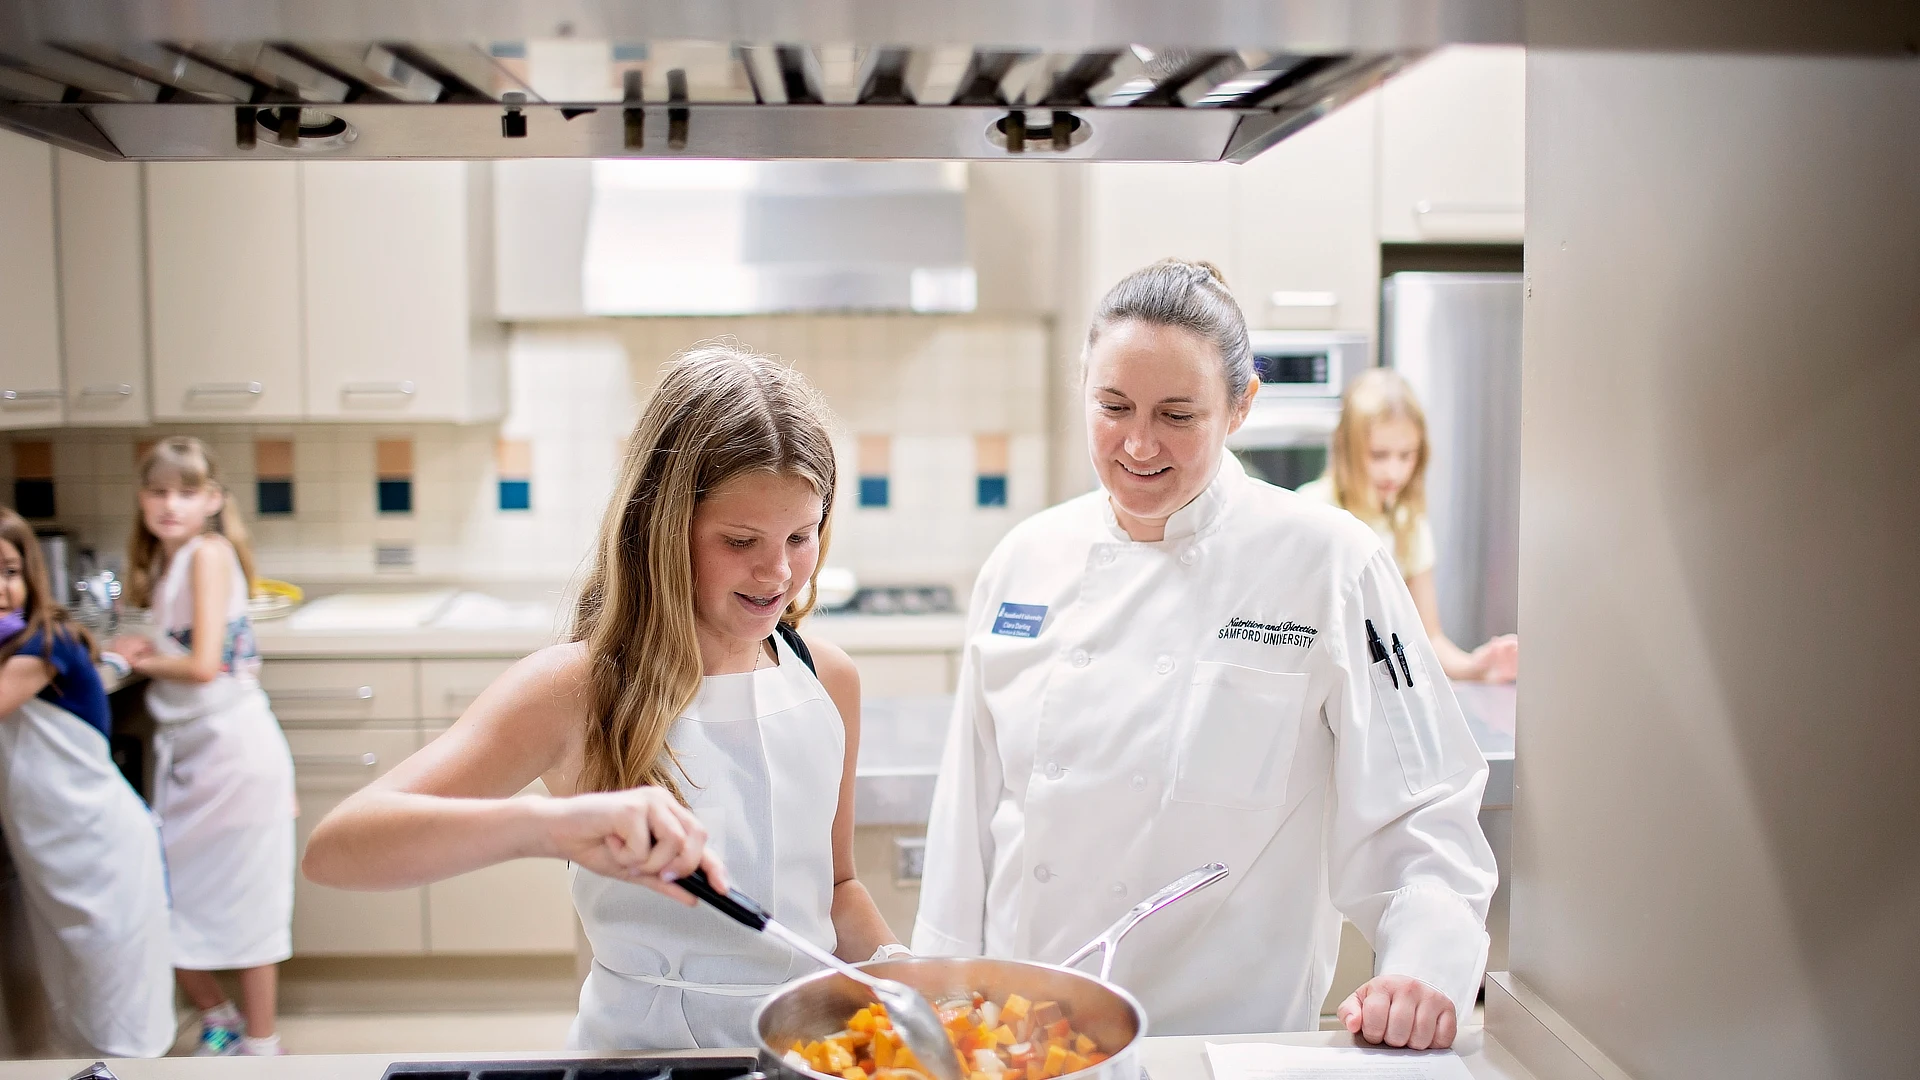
x=1020, y=620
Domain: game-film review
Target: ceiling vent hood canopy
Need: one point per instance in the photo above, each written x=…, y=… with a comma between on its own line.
x=1200, y=80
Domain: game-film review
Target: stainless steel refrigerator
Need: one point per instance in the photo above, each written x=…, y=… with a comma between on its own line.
x=1456, y=337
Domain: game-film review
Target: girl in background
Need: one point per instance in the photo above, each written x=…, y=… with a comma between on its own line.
x=1377, y=471
x=223, y=777
x=83, y=844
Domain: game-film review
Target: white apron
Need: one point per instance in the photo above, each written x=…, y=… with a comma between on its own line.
x=763, y=752
x=89, y=862
x=223, y=789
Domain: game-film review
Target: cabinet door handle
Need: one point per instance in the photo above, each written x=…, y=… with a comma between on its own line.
x=223, y=388
x=108, y=390
x=10, y=396
x=404, y=386
x=335, y=761
x=343, y=693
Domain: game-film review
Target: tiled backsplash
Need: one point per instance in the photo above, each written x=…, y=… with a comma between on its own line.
x=949, y=410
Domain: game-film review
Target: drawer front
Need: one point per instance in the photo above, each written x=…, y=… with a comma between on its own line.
x=447, y=687
x=345, y=759
x=336, y=690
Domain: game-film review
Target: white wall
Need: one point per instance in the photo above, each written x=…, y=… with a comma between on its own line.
x=1715, y=870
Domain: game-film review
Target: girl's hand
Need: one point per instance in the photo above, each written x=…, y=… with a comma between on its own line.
x=642, y=835
x=1498, y=661
x=132, y=646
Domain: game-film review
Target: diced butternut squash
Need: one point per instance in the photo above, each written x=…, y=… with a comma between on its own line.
x=1046, y=1013
x=1016, y=1008
x=1083, y=1045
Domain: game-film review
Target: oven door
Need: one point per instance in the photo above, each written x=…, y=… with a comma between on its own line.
x=1284, y=442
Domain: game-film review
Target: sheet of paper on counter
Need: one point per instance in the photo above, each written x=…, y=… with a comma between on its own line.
x=1272, y=1061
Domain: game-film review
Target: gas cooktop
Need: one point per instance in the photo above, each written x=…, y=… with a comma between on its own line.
x=654, y=1067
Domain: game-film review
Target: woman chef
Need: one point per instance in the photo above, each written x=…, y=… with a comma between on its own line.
x=1189, y=666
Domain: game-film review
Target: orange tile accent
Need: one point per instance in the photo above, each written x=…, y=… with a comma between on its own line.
x=875, y=456
x=273, y=459
x=33, y=461
x=513, y=459
x=990, y=455
x=393, y=459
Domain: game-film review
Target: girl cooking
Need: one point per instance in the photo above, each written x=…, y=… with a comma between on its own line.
x=1190, y=664
x=83, y=844
x=680, y=728
x=1377, y=472
x=223, y=777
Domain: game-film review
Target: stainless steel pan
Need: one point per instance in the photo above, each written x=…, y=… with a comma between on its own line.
x=820, y=1005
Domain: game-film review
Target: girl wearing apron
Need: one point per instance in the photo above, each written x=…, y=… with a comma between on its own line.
x=84, y=847
x=681, y=727
x=223, y=777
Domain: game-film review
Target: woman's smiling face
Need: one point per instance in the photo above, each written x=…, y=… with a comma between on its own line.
x=1158, y=417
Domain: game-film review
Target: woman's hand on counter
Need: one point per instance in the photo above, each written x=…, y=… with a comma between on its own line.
x=1400, y=1010
x=642, y=835
x=1498, y=661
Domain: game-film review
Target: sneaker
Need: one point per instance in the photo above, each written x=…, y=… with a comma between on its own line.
x=217, y=1041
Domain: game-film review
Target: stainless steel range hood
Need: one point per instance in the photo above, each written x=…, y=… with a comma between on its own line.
x=1200, y=80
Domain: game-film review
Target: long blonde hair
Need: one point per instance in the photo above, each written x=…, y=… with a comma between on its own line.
x=721, y=411
x=188, y=460
x=1378, y=394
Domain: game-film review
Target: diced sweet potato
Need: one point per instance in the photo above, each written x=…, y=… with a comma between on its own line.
x=1016, y=1008
x=1047, y=1013
x=1084, y=1045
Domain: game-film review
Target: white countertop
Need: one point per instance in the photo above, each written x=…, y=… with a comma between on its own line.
x=1174, y=1058
x=282, y=639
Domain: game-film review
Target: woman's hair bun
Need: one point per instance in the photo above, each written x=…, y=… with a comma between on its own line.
x=1203, y=271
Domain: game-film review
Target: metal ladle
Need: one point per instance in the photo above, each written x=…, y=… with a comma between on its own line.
x=913, y=1016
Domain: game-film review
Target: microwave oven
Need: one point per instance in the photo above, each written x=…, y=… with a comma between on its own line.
x=1302, y=374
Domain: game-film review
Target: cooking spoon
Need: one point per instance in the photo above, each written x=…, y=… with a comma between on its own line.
x=913, y=1016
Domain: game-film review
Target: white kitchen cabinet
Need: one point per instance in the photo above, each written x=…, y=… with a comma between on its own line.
x=103, y=303
x=447, y=687
x=223, y=282
x=327, y=691
x=524, y=906
x=1141, y=213
x=329, y=764
x=1306, y=256
x=908, y=674
x=1453, y=148
x=30, y=389
x=397, y=291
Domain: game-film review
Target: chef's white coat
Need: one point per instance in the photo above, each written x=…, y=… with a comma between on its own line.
x=1207, y=697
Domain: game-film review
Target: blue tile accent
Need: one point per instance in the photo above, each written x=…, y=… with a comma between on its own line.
x=990, y=490
x=516, y=495
x=273, y=497
x=33, y=498
x=873, y=491
x=394, y=496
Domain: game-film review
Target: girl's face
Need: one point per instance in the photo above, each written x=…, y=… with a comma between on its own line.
x=755, y=542
x=1393, y=452
x=13, y=578
x=174, y=512
x=1158, y=417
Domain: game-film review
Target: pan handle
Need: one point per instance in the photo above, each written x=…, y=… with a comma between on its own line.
x=1109, y=940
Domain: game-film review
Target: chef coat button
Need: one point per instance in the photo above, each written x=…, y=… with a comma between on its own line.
x=1117, y=889
x=1139, y=782
x=1080, y=658
x=1190, y=556
x=1163, y=665
x=1054, y=770
x=1042, y=874
x=1106, y=558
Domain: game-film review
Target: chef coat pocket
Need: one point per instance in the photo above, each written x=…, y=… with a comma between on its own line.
x=1238, y=735
x=1412, y=717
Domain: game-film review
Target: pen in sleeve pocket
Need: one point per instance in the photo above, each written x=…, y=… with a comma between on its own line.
x=1402, y=654
x=1378, y=652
